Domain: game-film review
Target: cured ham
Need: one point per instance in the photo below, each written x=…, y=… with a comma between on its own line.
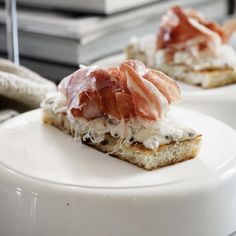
x=125, y=92
x=165, y=85
x=180, y=29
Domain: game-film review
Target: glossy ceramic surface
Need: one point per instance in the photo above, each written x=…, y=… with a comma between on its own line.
x=52, y=185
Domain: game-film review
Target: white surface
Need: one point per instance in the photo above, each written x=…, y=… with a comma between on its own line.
x=51, y=185
x=60, y=159
x=218, y=102
x=232, y=40
x=101, y=6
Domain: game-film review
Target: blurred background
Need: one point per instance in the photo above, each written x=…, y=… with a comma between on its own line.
x=55, y=36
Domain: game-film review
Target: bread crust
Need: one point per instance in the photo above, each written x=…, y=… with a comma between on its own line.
x=211, y=78
x=161, y=150
x=135, y=153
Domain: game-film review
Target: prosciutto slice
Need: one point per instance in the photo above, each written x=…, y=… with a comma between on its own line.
x=125, y=92
x=179, y=28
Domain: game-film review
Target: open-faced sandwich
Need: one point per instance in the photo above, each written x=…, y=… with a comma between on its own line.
x=189, y=48
x=124, y=112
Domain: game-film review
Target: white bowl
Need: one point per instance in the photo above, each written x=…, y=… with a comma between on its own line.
x=52, y=185
x=217, y=102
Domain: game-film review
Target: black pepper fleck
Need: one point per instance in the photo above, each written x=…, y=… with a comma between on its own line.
x=104, y=142
x=190, y=133
x=87, y=139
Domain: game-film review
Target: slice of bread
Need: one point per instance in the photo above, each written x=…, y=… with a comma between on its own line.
x=135, y=153
x=208, y=78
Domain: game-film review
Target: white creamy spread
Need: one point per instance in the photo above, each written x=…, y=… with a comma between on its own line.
x=146, y=45
x=224, y=56
x=150, y=134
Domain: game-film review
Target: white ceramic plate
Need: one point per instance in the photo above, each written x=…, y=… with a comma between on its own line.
x=43, y=152
x=52, y=185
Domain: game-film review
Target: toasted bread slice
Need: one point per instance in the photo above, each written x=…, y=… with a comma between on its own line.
x=135, y=153
x=209, y=78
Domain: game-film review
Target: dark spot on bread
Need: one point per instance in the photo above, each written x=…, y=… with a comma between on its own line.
x=105, y=142
x=86, y=139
